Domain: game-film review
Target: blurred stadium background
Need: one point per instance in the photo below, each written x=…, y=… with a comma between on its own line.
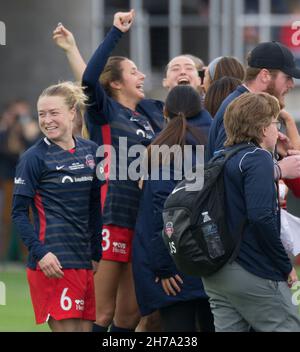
x=163, y=28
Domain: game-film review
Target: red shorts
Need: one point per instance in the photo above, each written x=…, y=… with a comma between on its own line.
x=72, y=296
x=116, y=243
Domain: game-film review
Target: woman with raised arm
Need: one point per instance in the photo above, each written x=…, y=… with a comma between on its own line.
x=180, y=70
x=118, y=100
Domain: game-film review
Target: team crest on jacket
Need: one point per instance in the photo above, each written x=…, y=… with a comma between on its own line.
x=169, y=229
x=90, y=162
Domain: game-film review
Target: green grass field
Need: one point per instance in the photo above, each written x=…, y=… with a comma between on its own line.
x=17, y=314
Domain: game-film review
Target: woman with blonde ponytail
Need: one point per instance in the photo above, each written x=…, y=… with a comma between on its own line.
x=57, y=179
x=180, y=299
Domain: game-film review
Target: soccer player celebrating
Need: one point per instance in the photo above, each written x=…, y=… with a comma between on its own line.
x=117, y=104
x=57, y=179
x=119, y=101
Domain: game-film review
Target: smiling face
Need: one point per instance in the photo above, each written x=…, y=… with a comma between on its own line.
x=55, y=119
x=181, y=70
x=132, y=84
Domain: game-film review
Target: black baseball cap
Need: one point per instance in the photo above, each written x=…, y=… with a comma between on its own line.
x=274, y=55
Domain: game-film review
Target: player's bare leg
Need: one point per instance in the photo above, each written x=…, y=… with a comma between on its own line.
x=65, y=325
x=86, y=325
x=150, y=323
x=127, y=313
x=106, y=285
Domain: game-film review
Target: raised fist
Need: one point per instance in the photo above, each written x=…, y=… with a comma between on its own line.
x=124, y=20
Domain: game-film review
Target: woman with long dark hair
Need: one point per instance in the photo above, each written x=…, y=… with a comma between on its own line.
x=181, y=299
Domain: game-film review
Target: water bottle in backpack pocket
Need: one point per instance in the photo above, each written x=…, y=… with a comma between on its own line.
x=211, y=236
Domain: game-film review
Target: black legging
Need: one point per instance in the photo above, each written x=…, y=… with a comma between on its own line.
x=187, y=316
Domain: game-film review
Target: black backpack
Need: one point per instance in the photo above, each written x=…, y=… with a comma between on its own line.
x=195, y=228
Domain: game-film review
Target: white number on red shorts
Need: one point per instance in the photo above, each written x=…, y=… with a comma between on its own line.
x=65, y=301
x=105, y=238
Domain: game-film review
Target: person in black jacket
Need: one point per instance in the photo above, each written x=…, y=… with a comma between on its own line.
x=254, y=289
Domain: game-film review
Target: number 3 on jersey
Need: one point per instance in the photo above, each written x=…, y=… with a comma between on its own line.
x=105, y=239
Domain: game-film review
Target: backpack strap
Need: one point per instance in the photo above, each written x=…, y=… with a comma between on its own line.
x=227, y=154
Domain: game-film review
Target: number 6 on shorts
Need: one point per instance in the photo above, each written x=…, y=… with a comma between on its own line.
x=65, y=301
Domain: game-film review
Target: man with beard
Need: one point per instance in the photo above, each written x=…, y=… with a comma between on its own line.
x=271, y=68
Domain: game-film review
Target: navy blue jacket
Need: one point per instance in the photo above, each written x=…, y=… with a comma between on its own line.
x=150, y=255
x=250, y=193
x=217, y=134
